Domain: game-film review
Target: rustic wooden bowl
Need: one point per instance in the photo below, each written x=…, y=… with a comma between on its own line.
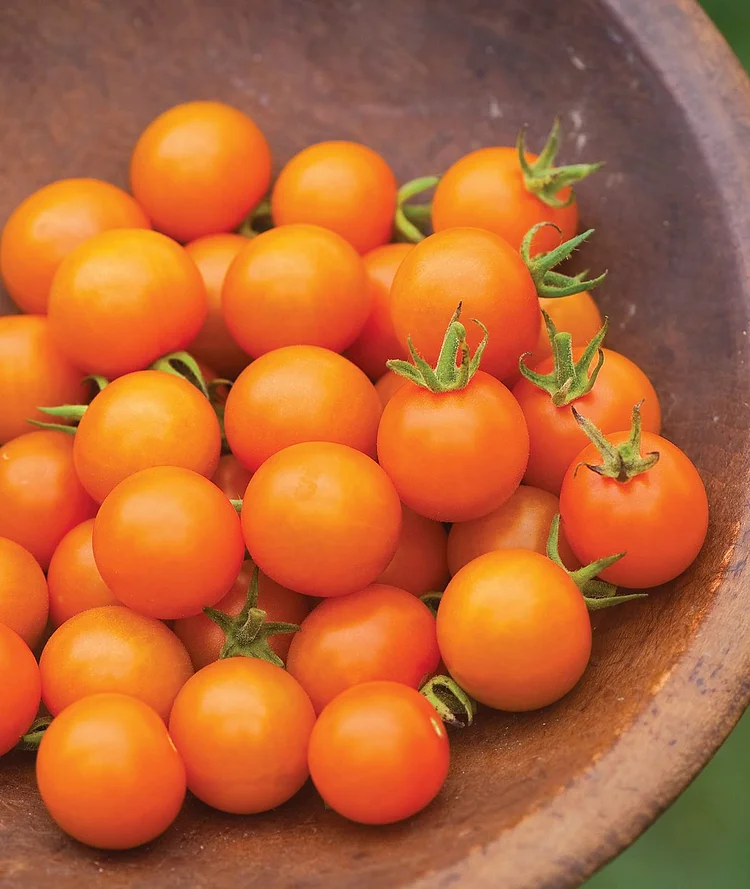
x=539, y=800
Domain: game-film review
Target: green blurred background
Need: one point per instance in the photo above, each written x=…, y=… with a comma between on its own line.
x=703, y=840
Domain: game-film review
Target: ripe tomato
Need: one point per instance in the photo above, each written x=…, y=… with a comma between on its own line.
x=321, y=504
x=382, y=775
x=577, y=315
x=292, y=285
x=44, y=228
x=213, y=255
x=420, y=563
x=168, y=542
x=199, y=169
x=232, y=477
x=123, y=299
x=296, y=394
x=388, y=385
x=342, y=186
x=109, y=774
x=41, y=496
x=33, y=373
x=24, y=599
x=145, y=419
x=242, y=727
x=513, y=630
x=22, y=688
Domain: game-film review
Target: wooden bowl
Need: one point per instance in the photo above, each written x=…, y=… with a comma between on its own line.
x=539, y=800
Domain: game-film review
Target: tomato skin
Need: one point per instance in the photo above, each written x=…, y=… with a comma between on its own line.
x=40, y=492
x=296, y=285
x=22, y=688
x=109, y=774
x=554, y=436
x=232, y=477
x=388, y=385
x=324, y=397
x=199, y=168
x=577, y=315
x=124, y=298
x=167, y=542
x=420, y=563
x=659, y=519
x=342, y=186
x=326, y=505
x=513, y=630
x=242, y=727
x=383, y=776
x=454, y=456
x=24, y=598
x=47, y=225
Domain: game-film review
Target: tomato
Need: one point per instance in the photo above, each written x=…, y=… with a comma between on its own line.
x=296, y=394
x=324, y=505
x=513, y=630
x=242, y=727
x=22, y=688
x=379, y=753
x=199, y=168
x=145, y=419
x=296, y=285
x=123, y=299
x=388, y=385
x=213, y=255
x=33, y=373
x=420, y=563
x=578, y=315
x=24, y=598
x=167, y=542
x=232, y=477
x=342, y=186
x=109, y=774
x=47, y=225
x=40, y=494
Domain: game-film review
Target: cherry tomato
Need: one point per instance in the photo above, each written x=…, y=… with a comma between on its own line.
x=322, y=396
x=513, y=630
x=44, y=228
x=420, y=563
x=199, y=169
x=343, y=186
x=167, y=542
x=24, y=598
x=213, y=255
x=123, y=299
x=22, y=688
x=242, y=727
x=75, y=584
x=324, y=505
x=108, y=772
x=41, y=496
x=145, y=419
x=388, y=385
x=296, y=285
x=577, y=315
x=379, y=753
x=232, y=477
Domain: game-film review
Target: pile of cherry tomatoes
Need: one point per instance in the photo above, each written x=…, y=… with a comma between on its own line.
x=295, y=495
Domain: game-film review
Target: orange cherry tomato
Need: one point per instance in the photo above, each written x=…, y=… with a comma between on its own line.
x=75, y=584
x=326, y=505
x=24, y=598
x=213, y=255
x=145, y=419
x=242, y=727
x=33, y=373
x=296, y=285
x=22, y=688
x=388, y=385
x=109, y=774
x=577, y=315
x=199, y=169
x=513, y=630
x=44, y=228
x=487, y=274
x=204, y=639
x=123, y=299
x=41, y=496
x=420, y=564
x=167, y=542
x=343, y=186
x=232, y=477
x=379, y=753
x=322, y=396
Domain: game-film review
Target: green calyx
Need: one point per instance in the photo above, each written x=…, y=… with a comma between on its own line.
x=446, y=376
x=247, y=634
x=549, y=283
x=258, y=221
x=182, y=364
x=450, y=701
x=33, y=737
x=410, y=219
x=70, y=415
x=545, y=180
x=432, y=601
x=624, y=461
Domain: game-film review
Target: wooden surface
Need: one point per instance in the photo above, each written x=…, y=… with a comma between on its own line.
x=535, y=801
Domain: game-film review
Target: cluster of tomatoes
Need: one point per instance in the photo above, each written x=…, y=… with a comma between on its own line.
x=258, y=564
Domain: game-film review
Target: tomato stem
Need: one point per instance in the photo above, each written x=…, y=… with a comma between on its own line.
x=450, y=701
x=549, y=283
x=406, y=217
x=432, y=600
x=33, y=737
x=182, y=364
x=619, y=462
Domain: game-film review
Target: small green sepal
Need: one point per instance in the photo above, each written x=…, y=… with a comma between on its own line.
x=621, y=462
x=432, y=600
x=450, y=701
x=549, y=283
x=182, y=364
x=409, y=217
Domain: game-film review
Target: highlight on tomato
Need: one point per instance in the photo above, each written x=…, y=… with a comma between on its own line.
x=22, y=688
x=420, y=563
x=24, y=597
